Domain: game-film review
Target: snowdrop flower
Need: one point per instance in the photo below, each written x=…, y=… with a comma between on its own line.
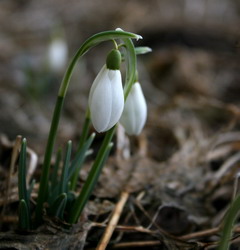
x=106, y=98
x=57, y=54
x=135, y=111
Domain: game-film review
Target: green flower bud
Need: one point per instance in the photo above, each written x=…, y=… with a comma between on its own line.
x=114, y=59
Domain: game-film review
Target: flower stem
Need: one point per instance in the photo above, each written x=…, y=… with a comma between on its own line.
x=89, y=43
x=88, y=186
x=85, y=130
x=43, y=188
x=131, y=66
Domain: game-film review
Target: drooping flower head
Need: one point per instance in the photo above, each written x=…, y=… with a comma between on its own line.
x=106, y=98
x=135, y=111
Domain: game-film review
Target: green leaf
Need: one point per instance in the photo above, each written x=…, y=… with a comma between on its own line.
x=54, y=176
x=30, y=189
x=23, y=215
x=229, y=220
x=22, y=188
x=64, y=175
x=58, y=207
x=71, y=197
x=78, y=161
x=88, y=186
x=142, y=50
x=85, y=131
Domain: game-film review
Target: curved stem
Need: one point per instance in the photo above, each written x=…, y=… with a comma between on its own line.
x=131, y=66
x=89, y=43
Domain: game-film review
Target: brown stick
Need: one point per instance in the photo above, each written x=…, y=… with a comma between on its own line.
x=137, y=244
x=139, y=229
x=200, y=234
x=113, y=221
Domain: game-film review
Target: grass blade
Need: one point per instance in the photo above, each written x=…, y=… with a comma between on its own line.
x=92, y=179
x=22, y=188
x=54, y=176
x=229, y=220
x=30, y=189
x=23, y=215
x=58, y=207
x=85, y=130
x=78, y=161
x=64, y=175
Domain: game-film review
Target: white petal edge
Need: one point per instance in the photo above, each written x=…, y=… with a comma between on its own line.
x=101, y=74
x=100, y=102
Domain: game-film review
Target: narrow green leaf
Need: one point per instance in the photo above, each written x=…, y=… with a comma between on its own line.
x=23, y=215
x=30, y=189
x=88, y=186
x=85, y=131
x=54, y=176
x=78, y=161
x=64, y=175
x=58, y=207
x=22, y=188
x=71, y=197
x=60, y=186
x=142, y=50
x=229, y=220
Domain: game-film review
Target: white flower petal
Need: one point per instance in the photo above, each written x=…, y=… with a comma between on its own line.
x=106, y=99
x=135, y=111
x=140, y=108
x=117, y=97
x=101, y=104
x=101, y=75
x=127, y=116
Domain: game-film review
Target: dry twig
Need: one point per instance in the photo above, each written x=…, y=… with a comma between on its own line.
x=113, y=221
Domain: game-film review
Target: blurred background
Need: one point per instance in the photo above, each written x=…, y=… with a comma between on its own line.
x=195, y=61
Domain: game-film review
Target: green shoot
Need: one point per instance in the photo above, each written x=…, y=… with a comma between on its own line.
x=24, y=196
x=229, y=220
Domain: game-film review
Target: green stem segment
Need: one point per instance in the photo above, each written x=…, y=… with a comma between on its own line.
x=228, y=224
x=88, y=44
x=131, y=66
x=86, y=127
x=92, y=178
x=43, y=188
